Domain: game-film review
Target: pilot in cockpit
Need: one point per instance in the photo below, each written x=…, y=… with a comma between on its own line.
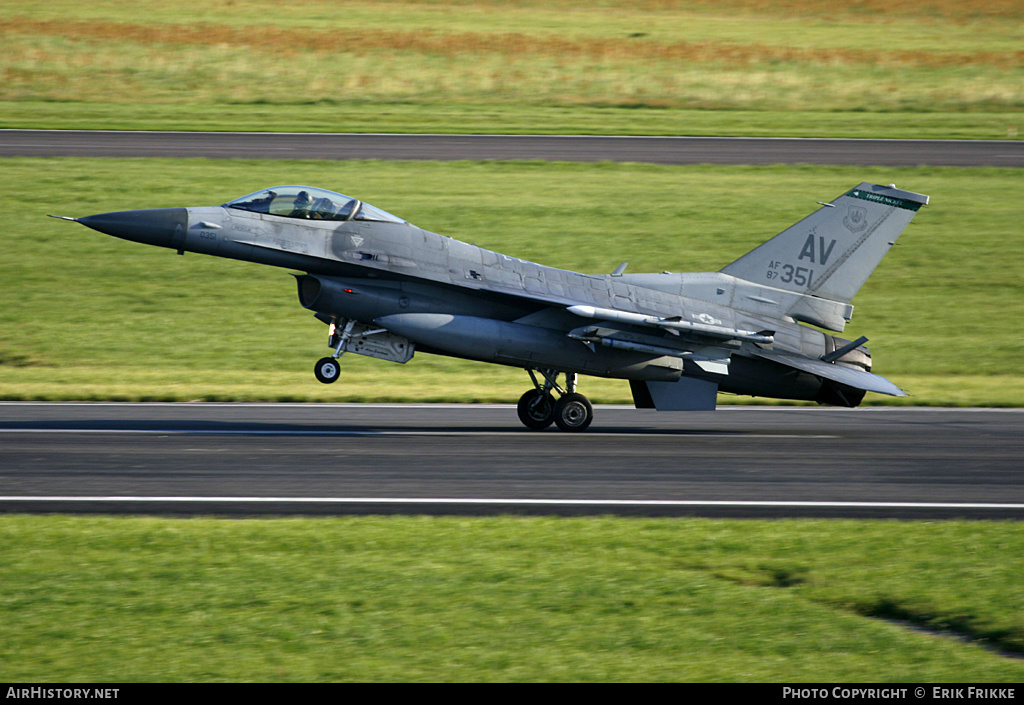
x=303, y=202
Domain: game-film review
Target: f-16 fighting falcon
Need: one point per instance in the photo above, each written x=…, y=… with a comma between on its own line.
x=388, y=289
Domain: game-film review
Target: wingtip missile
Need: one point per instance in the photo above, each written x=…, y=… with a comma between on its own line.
x=673, y=324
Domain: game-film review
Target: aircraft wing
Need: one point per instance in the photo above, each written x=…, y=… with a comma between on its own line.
x=850, y=376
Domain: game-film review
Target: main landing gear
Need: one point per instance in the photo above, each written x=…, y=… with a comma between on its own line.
x=538, y=408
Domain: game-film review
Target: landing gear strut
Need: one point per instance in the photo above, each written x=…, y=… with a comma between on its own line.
x=538, y=408
x=327, y=369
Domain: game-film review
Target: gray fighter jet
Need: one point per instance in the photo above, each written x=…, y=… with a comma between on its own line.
x=387, y=288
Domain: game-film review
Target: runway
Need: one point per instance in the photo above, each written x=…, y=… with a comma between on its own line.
x=657, y=150
x=311, y=459
x=236, y=459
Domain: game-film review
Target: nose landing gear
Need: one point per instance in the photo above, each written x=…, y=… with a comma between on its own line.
x=538, y=409
x=327, y=369
x=349, y=335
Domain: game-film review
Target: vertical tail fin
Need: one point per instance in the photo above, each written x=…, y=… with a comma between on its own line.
x=832, y=252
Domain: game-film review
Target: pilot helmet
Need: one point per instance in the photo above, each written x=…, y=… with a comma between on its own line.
x=303, y=199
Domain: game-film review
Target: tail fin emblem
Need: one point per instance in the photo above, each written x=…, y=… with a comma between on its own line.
x=856, y=219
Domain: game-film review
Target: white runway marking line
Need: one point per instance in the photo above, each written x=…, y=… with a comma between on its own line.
x=520, y=502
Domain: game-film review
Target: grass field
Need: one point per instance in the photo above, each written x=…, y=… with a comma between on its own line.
x=920, y=68
x=509, y=599
x=87, y=316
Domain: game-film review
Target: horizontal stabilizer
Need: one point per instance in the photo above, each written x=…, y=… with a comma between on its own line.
x=850, y=376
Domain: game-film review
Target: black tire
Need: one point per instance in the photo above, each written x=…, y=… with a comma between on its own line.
x=536, y=409
x=573, y=413
x=327, y=370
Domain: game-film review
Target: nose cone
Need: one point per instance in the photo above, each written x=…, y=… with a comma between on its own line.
x=164, y=227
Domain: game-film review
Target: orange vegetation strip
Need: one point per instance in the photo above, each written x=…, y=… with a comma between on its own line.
x=360, y=41
x=953, y=10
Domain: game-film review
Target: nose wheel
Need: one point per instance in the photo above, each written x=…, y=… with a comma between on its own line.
x=327, y=370
x=571, y=412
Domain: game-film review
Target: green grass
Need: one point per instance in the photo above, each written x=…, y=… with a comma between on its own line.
x=508, y=599
x=86, y=316
x=468, y=118
x=809, y=68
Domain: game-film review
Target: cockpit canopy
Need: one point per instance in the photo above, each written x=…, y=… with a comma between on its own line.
x=310, y=204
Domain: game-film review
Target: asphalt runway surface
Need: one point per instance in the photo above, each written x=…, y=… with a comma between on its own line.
x=658, y=150
x=317, y=459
